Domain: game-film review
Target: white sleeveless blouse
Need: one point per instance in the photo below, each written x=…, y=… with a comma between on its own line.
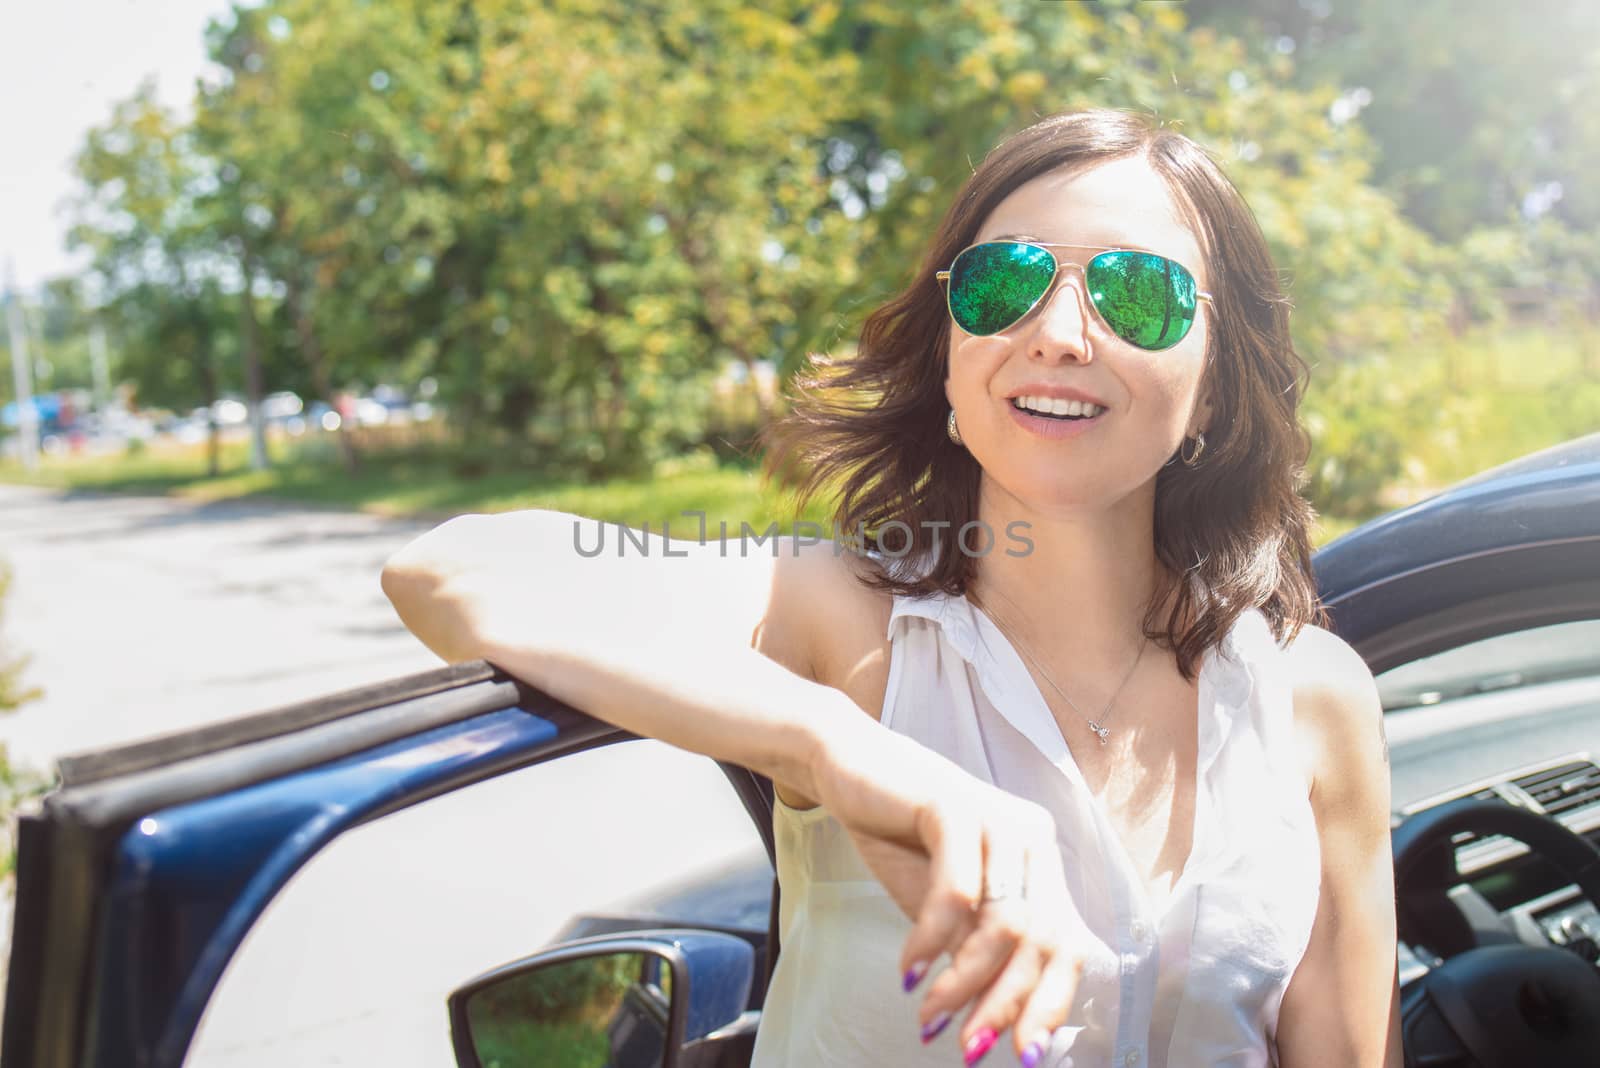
x=1197, y=981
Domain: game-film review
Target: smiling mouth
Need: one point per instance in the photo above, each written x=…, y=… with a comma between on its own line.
x=1060, y=410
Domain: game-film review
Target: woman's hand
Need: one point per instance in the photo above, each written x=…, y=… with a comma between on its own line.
x=940, y=841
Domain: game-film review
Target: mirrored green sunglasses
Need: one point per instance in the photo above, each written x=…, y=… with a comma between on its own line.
x=1145, y=299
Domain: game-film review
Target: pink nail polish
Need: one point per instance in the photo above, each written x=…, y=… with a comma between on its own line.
x=935, y=1025
x=979, y=1044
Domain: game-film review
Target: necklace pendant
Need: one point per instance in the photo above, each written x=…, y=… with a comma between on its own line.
x=1100, y=732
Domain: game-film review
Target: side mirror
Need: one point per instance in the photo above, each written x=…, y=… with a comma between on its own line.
x=644, y=999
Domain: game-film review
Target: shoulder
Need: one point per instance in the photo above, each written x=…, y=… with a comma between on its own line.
x=821, y=617
x=1329, y=676
x=823, y=623
x=1338, y=719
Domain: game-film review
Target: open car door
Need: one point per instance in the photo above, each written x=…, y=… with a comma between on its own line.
x=143, y=872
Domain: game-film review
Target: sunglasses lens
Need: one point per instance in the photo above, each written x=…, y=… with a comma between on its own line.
x=1147, y=300
x=994, y=284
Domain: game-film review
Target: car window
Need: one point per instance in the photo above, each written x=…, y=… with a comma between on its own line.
x=1524, y=705
x=353, y=961
x=1505, y=661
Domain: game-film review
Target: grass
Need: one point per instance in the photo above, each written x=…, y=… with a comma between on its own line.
x=519, y=1043
x=1504, y=395
x=1391, y=430
x=420, y=482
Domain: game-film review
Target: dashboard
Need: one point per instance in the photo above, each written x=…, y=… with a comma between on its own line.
x=1528, y=745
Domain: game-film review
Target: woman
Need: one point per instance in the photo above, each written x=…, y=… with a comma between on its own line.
x=1115, y=793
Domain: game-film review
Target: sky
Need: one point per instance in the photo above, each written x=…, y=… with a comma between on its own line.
x=63, y=65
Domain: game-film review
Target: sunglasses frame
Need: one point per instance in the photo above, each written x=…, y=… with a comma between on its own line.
x=1055, y=280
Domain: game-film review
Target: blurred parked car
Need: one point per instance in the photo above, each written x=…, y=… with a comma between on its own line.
x=190, y=429
x=320, y=415
x=284, y=411
x=230, y=411
x=113, y=429
x=281, y=405
x=388, y=405
x=1479, y=611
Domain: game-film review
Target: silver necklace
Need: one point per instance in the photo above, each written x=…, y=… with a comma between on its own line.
x=1098, y=726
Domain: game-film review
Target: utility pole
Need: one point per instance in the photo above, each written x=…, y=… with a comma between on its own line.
x=22, y=376
x=250, y=343
x=99, y=366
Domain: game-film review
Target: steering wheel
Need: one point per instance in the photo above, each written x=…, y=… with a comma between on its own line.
x=1494, y=1006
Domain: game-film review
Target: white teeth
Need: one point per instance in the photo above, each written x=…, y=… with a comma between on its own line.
x=1057, y=406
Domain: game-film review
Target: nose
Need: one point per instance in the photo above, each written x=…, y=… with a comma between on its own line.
x=1062, y=320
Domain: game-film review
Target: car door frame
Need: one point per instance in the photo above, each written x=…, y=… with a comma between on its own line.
x=130, y=904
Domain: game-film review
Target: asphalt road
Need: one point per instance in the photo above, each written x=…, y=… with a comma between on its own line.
x=143, y=616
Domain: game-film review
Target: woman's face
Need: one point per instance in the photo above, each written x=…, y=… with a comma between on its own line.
x=1151, y=400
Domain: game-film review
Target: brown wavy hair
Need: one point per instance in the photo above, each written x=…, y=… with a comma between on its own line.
x=1231, y=532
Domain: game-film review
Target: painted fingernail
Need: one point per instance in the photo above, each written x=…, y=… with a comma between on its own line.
x=979, y=1044
x=935, y=1025
x=1031, y=1055
x=914, y=975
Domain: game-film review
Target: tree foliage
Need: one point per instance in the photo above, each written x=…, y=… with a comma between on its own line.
x=1476, y=105
x=576, y=215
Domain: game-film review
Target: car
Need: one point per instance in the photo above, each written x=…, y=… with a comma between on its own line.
x=281, y=406
x=230, y=411
x=1478, y=611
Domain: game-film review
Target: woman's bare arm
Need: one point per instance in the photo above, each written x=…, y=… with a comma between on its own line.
x=653, y=638
x=1343, y=1005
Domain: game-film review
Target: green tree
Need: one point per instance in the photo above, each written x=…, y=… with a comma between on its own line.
x=163, y=274
x=320, y=117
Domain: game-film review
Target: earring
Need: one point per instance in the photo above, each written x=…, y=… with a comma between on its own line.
x=1192, y=458
x=950, y=428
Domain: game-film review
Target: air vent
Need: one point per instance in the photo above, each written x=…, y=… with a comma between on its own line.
x=1461, y=838
x=1564, y=788
x=1567, y=788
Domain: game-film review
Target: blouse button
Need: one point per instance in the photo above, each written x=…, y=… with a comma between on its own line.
x=1132, y=1058
x=1137, y=930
